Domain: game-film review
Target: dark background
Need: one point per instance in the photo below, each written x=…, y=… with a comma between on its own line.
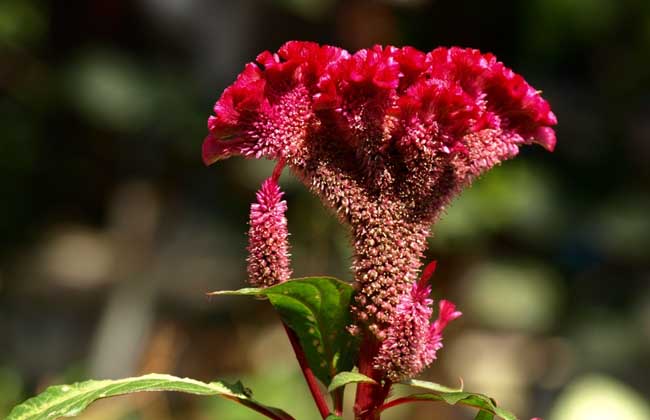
x=111, y=229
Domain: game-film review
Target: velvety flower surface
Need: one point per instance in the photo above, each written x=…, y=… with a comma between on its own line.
x=268, y=258
x=411, y=342
x=394, y=98
x=386, y=137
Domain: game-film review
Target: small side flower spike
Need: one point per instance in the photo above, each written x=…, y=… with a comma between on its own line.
x=268, y=246
x=412, y=341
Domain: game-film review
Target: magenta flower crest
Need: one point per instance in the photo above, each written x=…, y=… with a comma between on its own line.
x=268, y=259
x=411, y=342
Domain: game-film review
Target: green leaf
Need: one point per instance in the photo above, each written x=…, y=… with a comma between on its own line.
x=333, y=417
x=431, y=386
x=318, y=310
x=344, y=378
x=70, y=400
x=484, y=415
x=479, y=401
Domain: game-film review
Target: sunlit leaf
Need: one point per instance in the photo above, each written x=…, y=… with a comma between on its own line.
x=431, y=386
x=318, y=310
x=479, y=401
x=70, y=400
x=484, y=415
x=344, y=378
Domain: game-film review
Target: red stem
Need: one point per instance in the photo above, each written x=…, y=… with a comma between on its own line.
x=337, y=397
x=397, y=401
x=312, y=383
x=369, y=396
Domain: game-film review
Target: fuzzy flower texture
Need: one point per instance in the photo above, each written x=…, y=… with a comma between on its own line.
x=268, y=248
x=412, y=341
x=385, y=137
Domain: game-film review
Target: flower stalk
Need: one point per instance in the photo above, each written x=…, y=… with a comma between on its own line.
x=311, y=380
x=369, y=395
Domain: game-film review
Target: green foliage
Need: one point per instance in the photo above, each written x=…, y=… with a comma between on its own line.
x=484, y=415
x=278, y=383
x=70, y=400
x=317, y=309
x=431, y=386
x=482, y=402
x=344, y=378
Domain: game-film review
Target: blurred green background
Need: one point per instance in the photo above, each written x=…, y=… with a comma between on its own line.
x=111, y=229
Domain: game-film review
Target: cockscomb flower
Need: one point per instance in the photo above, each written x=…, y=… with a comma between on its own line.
x=268, y=258
x=385, y=136
x=411, y=342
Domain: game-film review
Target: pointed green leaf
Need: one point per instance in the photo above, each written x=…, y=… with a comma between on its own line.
x=70, y=400
x=333, y=417
x=318, y=310
x=484, y=415
x=479, y=401
x=431, y=386
x=344, y=378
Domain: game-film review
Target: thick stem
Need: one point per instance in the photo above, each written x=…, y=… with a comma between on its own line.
x=370, y=396
x=337, y=397
x=311, y=380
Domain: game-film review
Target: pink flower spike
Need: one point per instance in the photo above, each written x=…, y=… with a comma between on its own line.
x=411, y=341
x=404, y=351
x=268, y=259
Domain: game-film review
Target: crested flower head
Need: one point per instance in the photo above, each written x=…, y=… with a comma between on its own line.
x=268, y=259
x=398, y=103
x=411, y=342
x=385, y=136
